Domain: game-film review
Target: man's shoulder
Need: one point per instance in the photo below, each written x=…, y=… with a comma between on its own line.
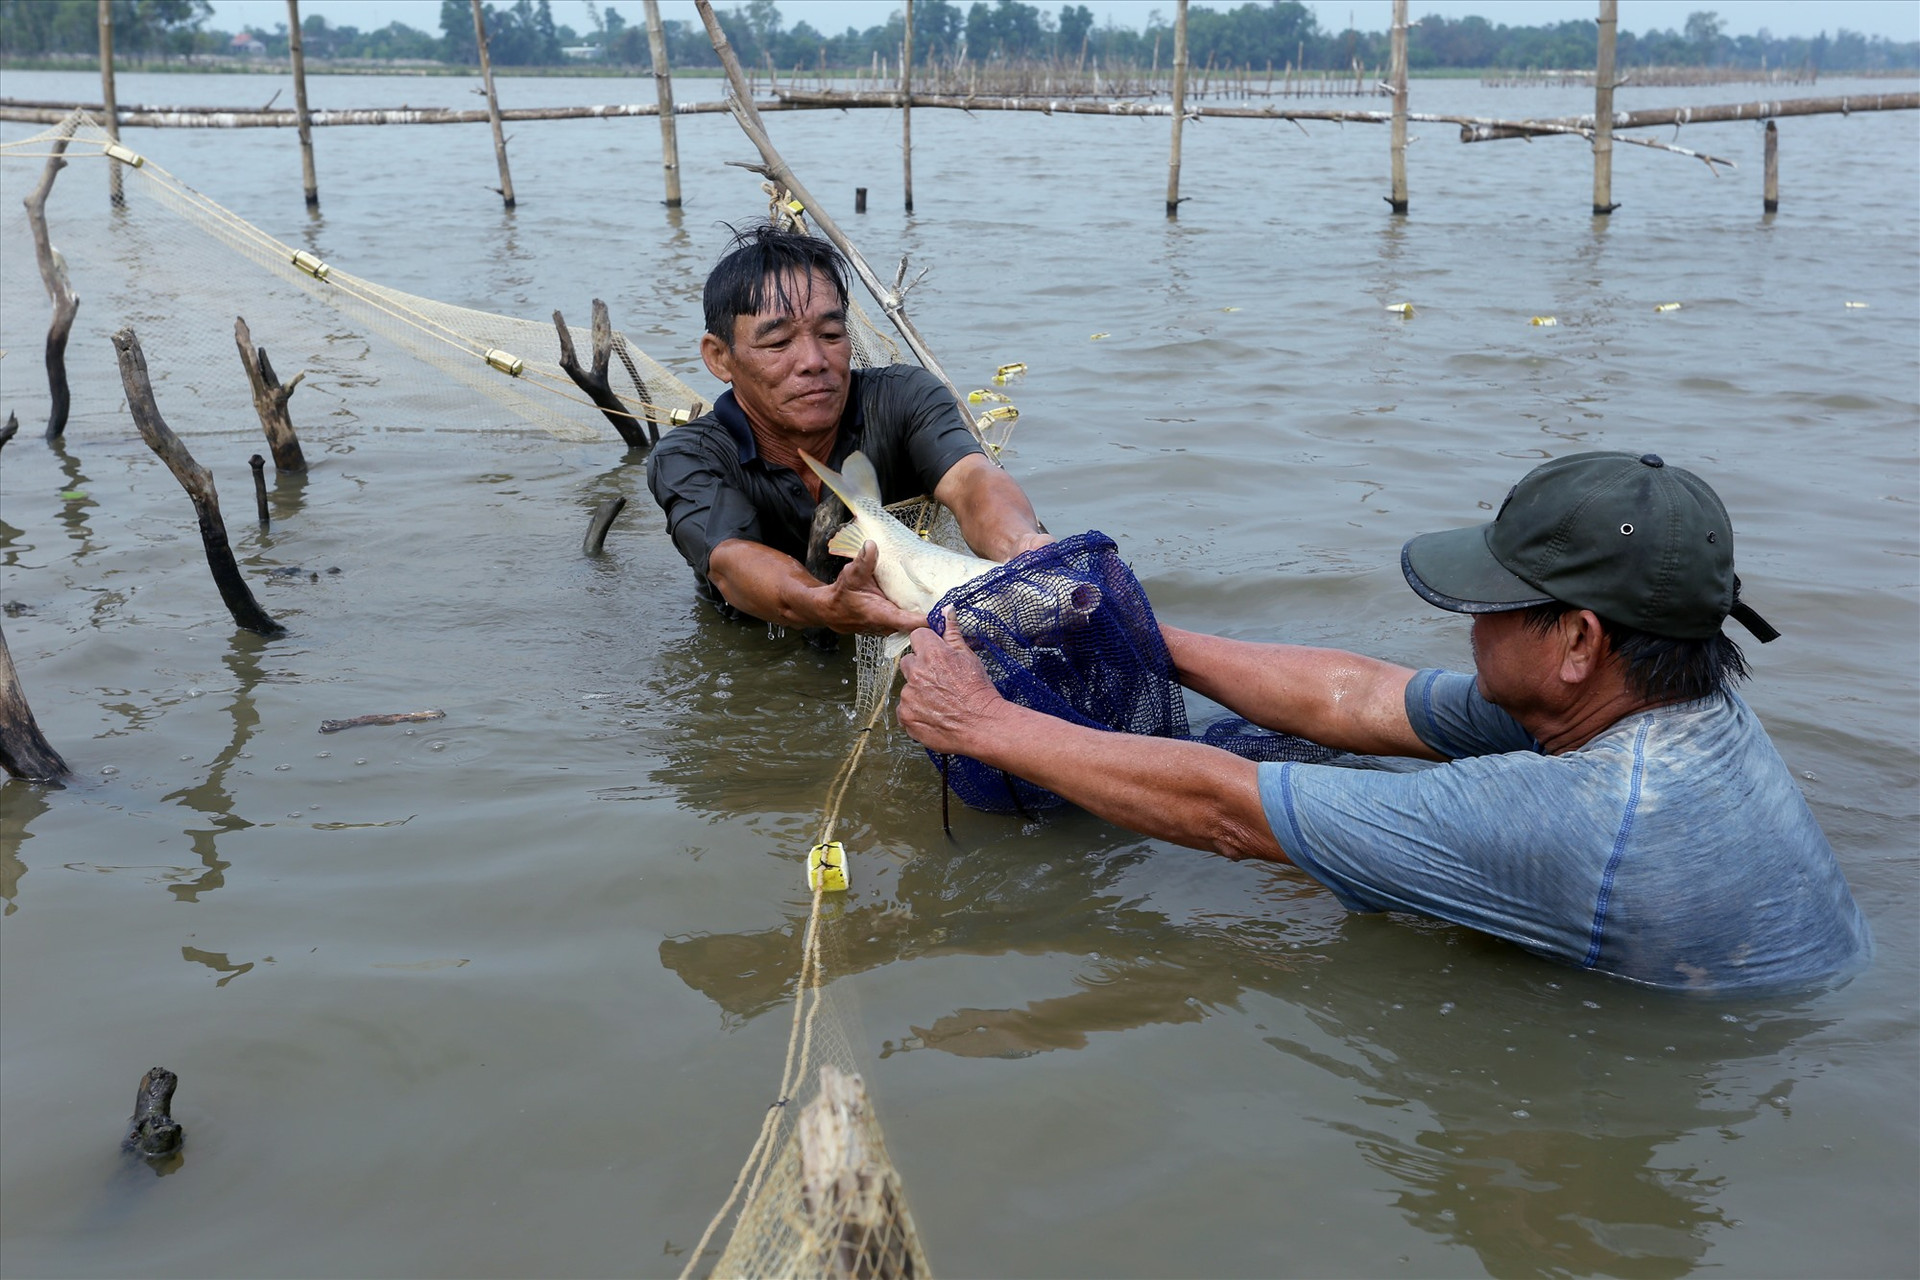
x=704, y=437
x=881, y=386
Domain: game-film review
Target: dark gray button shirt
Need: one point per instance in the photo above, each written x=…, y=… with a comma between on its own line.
x=711, y=482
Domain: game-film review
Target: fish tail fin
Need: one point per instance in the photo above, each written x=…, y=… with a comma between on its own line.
x=858, y=480
x=895, y=645
x=858, y=472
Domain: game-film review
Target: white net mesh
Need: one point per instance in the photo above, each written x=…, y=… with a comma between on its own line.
x=169, y=255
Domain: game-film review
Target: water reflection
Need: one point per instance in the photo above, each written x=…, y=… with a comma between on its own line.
x=73, y=510
x=218, y=962
x=25, y=801
x=1544, y=1124
x=755, y=720
x=1534, y=1114
x=210, y=796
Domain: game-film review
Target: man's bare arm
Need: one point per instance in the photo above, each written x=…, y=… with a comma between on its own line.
x=994, y=513
x=1338, y=699
x=1185, y=792
x=774, y=587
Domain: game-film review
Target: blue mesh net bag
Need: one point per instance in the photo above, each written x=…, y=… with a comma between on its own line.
x=1067, y=630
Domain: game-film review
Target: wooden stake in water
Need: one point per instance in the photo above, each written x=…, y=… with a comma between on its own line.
x=906, y=109
x=663, y=86
x=114, y=191
x=1179, y=105
x=24, y=750
x=66, y=303
x=259, y=465
x=308, y=178
x=270, y=400
x=493, y=105
x=196, y=480
x=1770, y=198
x=1398, y=200
x=1603, y=111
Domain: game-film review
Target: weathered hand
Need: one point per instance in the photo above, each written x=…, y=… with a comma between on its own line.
x=1030, y=542
x=948, y=700
x=855, y=603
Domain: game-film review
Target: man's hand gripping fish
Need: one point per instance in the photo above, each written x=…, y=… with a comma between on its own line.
x=916, y=573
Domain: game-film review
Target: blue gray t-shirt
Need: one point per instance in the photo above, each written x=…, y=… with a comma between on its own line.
x=1674, y=849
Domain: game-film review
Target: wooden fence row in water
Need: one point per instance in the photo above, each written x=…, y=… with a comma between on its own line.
x=1017, y=87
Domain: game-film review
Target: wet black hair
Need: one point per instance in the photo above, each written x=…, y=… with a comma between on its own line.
x=755, y=274
x=1658, y=668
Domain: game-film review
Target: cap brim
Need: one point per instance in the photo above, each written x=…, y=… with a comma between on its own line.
x=1455, y=570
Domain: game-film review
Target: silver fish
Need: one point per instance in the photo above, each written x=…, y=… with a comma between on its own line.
x=916, y=574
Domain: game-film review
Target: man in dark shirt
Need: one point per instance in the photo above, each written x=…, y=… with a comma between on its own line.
x=739, y=501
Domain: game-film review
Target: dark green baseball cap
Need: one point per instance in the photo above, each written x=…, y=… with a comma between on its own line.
x=1623, y=534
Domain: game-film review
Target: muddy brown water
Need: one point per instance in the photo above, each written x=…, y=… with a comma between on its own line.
x=507, y=993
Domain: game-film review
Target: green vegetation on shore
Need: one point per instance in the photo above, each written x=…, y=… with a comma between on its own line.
x=523, y=38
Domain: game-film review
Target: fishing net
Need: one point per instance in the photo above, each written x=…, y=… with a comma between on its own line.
x=180, y=268
x=1066, y=629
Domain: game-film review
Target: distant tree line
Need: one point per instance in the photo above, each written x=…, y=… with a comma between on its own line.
x=523, y=33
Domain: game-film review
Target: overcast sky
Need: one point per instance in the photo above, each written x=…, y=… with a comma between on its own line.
x=1894, y=19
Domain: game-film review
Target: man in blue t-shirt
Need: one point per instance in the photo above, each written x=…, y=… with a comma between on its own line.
x=1606, y=799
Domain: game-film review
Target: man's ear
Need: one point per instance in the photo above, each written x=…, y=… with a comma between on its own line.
x=717, y=355
x=1584, y=646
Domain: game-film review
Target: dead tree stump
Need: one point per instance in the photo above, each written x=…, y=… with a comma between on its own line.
x=594, y=382
x=151, y=1129
x=270, y=400
x=603, y=517
x=24, y=750
x=53, y=273
x=196, y=480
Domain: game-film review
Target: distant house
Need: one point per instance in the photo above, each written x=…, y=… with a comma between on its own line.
x=581, y=52
x=246, y=43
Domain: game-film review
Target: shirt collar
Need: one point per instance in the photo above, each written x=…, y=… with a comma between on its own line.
x=729, y=414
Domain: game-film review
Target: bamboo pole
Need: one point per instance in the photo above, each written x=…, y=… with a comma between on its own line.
x=1398, y=200
x=108, y=106
x=1720, y=113
x=1770, y=197
x=906, y=109
x=309, y=180
x=663, y=86
x=66, y=303
x=493, y=105
x=1473, y=128
x=778, y=170
x=1179, y=105
x=1603, y=111
x=162, y=117
x=196, y=480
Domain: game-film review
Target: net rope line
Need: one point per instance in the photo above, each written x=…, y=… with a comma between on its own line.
x=331, y=284
x=805, y=1011
x=877, y=675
